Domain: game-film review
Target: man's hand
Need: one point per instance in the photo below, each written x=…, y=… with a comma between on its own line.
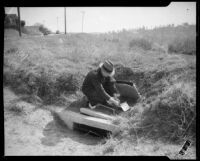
x=113, y=101
x=116, y=95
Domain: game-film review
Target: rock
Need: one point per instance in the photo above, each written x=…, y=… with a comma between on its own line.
x=22, y=107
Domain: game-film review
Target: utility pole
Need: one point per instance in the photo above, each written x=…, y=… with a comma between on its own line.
x=19, y=21
x=43, y=22
x=57, y=23
x=83, y=12
x=65, y=19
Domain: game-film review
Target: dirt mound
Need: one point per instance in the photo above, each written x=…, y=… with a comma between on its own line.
x=128, y=74
x=168, y=110
x=172, y=114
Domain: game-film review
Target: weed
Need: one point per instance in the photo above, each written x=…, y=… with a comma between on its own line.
x=141, y=43
x=185, y=46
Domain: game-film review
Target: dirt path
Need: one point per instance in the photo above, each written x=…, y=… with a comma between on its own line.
x=35, y=132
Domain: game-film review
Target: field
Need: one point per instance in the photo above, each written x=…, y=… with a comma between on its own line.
x=45, y=73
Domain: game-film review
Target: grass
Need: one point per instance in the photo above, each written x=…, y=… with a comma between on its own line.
x=145, y=148
x=52, y=69
x=185, y=46
x=141, y=43
x=171, y=113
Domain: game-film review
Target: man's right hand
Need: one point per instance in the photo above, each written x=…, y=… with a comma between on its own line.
x=113, y=101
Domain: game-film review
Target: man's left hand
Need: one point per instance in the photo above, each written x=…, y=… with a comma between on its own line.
x=116, y=95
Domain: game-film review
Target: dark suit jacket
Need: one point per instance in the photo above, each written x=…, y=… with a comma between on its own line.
x=95, y=82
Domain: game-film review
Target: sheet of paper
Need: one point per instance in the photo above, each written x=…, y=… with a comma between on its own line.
x=124, y=106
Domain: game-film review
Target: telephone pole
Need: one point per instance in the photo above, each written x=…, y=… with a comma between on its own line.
x=83, y=12
x=65, y=19
x=19, y=21
x=57, y=23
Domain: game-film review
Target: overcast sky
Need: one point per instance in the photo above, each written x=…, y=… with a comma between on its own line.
x=104, y=19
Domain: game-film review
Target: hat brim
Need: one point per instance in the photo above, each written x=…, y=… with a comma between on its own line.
x=108, y=74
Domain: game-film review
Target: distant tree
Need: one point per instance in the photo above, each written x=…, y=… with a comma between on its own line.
x=12, y=21
x=38, y=24
x=57, y=32
x=124, y=30
x=23, y=23
x=185, y=24
x=44, y=30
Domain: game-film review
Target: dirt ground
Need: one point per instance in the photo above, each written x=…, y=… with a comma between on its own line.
x=32, y=130
x=35, y=132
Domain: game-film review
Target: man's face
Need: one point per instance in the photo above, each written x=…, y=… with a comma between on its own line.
x=104, y=74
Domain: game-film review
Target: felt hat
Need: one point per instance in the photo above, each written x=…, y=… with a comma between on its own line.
x=107, y=68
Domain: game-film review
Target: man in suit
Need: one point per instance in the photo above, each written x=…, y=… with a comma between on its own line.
x=99, y=86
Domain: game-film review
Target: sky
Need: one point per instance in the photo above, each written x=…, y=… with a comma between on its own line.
x=105, y=19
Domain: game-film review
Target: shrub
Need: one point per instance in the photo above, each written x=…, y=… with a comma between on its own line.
x=42, y=82
x=168, y=109
x=44, y=30
x=23, y=23
x=185, y=46
x=141, y=43
x=68, y=82
x=12, y=21
x=50, y=87
x=172, y=114
x=123, y=73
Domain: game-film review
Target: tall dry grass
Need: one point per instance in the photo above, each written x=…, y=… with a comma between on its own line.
x=53, y=68
x=184, y=46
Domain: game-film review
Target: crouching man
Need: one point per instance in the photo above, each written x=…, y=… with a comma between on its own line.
x=99, y=86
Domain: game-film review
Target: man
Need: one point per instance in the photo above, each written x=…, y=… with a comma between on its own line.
x=99, y=86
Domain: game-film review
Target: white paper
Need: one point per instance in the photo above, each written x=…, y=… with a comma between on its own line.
x=124, y=106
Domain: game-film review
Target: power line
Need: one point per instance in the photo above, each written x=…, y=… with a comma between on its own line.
x=43, y=22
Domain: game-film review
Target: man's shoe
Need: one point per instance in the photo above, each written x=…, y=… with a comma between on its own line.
x=91, y=107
